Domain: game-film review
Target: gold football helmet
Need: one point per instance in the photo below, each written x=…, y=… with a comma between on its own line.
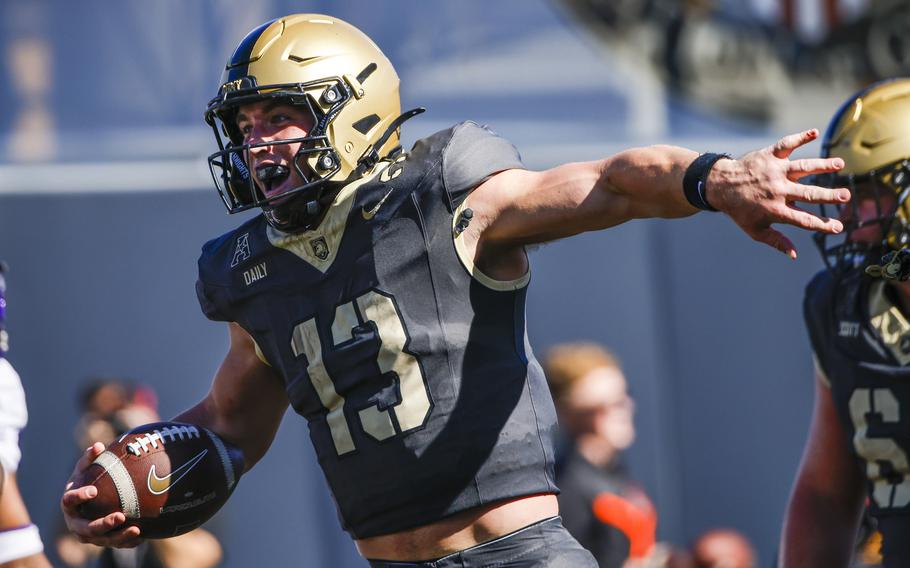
x=871, y=133
x=335, y=72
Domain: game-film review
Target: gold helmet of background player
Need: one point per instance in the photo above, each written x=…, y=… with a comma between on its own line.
x=334, y=71
x=871, y=133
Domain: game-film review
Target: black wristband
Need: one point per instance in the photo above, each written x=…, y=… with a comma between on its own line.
x=696, y=179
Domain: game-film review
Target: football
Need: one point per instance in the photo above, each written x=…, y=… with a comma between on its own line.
x=166, y=477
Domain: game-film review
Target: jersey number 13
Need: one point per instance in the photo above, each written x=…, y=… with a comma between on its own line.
x=380, y=310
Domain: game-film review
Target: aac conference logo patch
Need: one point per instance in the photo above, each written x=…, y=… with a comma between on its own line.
x=241, y=249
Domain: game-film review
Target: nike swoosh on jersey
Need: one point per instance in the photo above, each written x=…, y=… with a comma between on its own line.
x=370, y=213
x=158, y=485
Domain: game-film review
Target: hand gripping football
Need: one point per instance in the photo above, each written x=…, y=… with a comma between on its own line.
x=166, y=477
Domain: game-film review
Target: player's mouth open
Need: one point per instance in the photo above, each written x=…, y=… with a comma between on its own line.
x=271, y=177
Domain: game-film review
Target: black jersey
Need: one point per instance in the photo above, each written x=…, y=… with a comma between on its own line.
x=862, y=345
x=411, y=367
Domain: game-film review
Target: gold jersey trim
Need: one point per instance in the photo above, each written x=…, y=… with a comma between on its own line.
x=260, y=354
x=319, y=246
x=464, y=255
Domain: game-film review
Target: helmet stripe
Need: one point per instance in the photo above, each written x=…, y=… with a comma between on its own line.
x=839, y=115
x=238, y=64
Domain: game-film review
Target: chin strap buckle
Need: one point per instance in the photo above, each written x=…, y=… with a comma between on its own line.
x=371, y=156
x=894, y=266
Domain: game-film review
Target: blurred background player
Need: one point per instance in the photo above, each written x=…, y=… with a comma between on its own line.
x=109, y=407
x=600, y=504
x=20, y=543
x=859, y=327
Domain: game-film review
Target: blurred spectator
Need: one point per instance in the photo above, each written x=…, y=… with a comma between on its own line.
x=607, y=512
x=723, y=548
x=110, y=407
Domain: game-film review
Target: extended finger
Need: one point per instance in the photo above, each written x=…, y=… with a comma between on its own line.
x=777, y=240
x=801, y=168
x=93, y=530
x=102, y=526
x=75, y=497
x=127, y=538
x=100, y=535
x=816, y=194
x=785, y=146
x=803, y=219
x=88, y=456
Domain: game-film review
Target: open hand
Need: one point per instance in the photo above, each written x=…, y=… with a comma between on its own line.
x=761, y=189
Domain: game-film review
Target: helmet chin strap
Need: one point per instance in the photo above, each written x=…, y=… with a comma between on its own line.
x=296, y=216
x=303, y=213
x=300, y=212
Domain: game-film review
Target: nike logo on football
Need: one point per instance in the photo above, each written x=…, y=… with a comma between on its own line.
x=370, y=213
x=158, y=485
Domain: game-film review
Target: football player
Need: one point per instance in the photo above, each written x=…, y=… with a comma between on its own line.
x=859, y=327
x=381, y=292
x=20, y=543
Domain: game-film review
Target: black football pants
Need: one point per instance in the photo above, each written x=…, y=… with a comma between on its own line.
x=545, y=544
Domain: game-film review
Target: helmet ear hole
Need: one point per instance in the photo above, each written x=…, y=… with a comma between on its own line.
x=331, y=95
x=327, y=161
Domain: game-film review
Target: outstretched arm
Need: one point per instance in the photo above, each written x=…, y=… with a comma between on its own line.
x=823, y=515
x=519, y=207
x=244, y=406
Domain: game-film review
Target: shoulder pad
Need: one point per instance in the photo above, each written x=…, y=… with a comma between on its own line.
x=221, y=254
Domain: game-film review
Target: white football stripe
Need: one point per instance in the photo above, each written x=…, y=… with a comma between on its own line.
x=129, y=501
x=225, y=459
